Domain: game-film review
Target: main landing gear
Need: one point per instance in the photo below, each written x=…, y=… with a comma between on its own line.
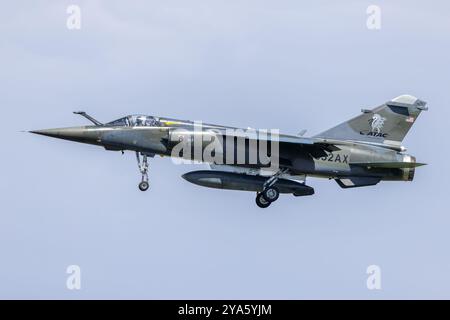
x=267, y=196
x=270, y=193
x=143, y=168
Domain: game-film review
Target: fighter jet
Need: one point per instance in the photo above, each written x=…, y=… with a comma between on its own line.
x=359, y=152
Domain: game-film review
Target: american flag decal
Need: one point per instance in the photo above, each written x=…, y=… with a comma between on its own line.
x=410, y=119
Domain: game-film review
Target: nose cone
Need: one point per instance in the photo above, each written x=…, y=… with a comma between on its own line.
x=78, y=134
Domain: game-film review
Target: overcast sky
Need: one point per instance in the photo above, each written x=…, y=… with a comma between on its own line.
x=289, y=65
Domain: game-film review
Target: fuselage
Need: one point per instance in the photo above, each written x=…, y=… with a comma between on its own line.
x=159, y=136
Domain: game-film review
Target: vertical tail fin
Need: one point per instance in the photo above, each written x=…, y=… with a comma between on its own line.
x=388, y=123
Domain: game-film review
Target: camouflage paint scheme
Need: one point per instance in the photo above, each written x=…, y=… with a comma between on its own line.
x=359, y=152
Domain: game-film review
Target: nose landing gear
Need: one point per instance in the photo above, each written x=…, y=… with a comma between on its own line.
x=143, y=168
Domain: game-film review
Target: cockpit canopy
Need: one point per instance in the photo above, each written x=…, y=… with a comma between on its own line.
x=136, y=121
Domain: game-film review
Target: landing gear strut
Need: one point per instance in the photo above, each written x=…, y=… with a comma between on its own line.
x=143, y=168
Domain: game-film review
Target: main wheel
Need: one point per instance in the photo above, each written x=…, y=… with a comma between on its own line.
x=261, y=202
x=271, y=194
x=143, y=186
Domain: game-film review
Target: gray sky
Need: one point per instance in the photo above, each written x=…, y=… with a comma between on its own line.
x=267, y=64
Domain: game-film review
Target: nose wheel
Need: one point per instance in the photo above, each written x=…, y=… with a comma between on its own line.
x=143, y=168
x=143, y=186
